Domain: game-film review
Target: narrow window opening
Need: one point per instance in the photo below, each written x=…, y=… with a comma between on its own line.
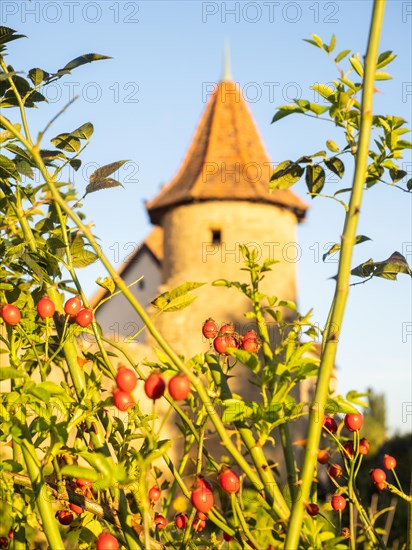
x=216, y=236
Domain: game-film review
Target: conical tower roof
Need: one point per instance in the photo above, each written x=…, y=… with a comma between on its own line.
x=226, y=161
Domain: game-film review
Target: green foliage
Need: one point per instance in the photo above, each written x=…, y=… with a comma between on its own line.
x=58, y=417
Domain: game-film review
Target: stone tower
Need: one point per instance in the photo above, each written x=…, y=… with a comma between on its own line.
x=219, y=199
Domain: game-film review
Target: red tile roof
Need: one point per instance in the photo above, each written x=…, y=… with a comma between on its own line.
x=226, y=160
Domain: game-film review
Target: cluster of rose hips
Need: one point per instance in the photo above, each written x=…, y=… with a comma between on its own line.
x=77, y=313
x=202, y=498
x=126, y=381
x=226, y=337
x=84, y=487
x=379, y=476
x=353, y=423
x=154, y=387
x=83, y=316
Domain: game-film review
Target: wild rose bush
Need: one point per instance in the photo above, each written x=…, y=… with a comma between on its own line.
x=86, y=467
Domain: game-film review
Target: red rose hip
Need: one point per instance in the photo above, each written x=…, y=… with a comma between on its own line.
x=154, y=494
x=154, y=386
x=378, y=475
x=330, y=424
x=338, y=502
x=354, y=422
x=335, y=471
x=179, y=387
x=126, y=379
x=65, y=517
x=312, y=509
x=122, y=400
x=45, y=307
x=73, y=306
x=210, y=328
x=202, y=499
x=181, y=521
x=106, y=541
x=224, y=341
x=323, y=456
x=85, y=317
x=160, y=521
x=229, y=481
x=11, y=315
x=389, y=462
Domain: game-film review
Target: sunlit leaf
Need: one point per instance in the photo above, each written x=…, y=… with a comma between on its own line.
x=336, y=166
x=315, y=178
x=285, y=175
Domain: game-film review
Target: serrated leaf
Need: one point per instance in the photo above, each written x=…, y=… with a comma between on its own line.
x=315, y=178
x=364, y=270
x=177, y=298
x=388, y=269
x=396, y=174
x=7, y=373
x=7, y=35
x=102, y=183
x=75, y=163
x=40, y=393
x=82, y=60
x=385, y=58
x=285, y=175
x=222, y=282
x=404, y=144
x=85, y=131
x=325, y=91
x=409, y=184
x=357, y=65
x=317, y=39
x=48, y=156
x=338, y=404
x=37, y=76
x=51, y=387
x=353, y=396
x=66, y=142
x=8, y=168
x=235, y=410
x=336, y=166
x=332, y=43
x=24, y=168
x=106, y=283
x=309, y=41
x=19, y=152
x=289, y=304
x=380, y=75
x=80, y=472
x=332, y=146
x=251, y=360
x=81, y=257
x=341, y=55
x=106, y=170
x=286, y=110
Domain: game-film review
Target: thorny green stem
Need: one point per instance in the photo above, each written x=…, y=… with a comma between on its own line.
x=39, y=487
x=243, y=522
x=268, y=355
x=342, y=284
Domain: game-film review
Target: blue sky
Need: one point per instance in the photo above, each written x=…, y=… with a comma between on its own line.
x=145, y=104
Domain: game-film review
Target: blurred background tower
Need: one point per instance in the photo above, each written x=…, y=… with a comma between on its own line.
x=218, y=199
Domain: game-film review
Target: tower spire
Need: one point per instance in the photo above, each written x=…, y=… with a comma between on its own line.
x=227, y=72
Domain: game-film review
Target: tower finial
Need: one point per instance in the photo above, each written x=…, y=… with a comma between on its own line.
x=227, y=73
